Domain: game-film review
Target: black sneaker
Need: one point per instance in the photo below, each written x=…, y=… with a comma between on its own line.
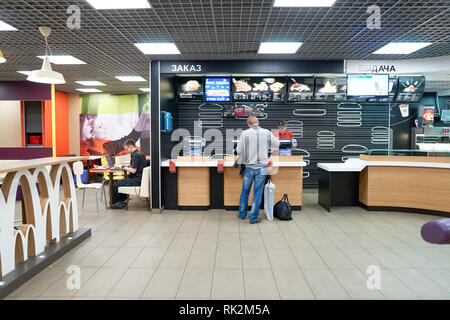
x=118, y=205
x=258, y=220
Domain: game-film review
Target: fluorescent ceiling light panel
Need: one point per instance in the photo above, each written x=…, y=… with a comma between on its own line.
x=304, y=3
x=6, y=27
x=89, y=90
x=63, y=60
x=119, y=4
x=91, y=83
x=145, y=89
x=130, y=78
x=402, y=47
x=27, y=73
x=279, y=47
x=158, y=48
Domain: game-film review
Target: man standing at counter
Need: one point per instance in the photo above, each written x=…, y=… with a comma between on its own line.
x=253, y=149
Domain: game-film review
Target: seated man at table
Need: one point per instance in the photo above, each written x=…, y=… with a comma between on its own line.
x=134, y=170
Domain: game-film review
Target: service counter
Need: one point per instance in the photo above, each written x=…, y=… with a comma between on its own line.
x=393, y=183
x=198, y=184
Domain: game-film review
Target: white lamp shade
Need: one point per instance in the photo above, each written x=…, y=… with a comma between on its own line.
x=46, y=74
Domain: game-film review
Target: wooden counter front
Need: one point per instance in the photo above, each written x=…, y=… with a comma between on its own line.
x=289, y=180
x=405, y=187
x=232, y=187
x=193, y=186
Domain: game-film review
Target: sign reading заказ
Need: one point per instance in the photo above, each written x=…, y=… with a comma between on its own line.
x=186, y=68
x=434, y=64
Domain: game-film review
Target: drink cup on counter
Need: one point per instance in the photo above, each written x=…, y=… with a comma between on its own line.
x=404, y=109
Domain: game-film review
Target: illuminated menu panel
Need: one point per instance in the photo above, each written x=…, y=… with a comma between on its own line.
x=410, y=89
x=217, y=89
x=300, y=89
x=259, y=89
x=330, y=89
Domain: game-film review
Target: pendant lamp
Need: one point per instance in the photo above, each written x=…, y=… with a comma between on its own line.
x=46, y=74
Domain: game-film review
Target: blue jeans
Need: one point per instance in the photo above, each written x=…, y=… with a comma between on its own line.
x=250, y=175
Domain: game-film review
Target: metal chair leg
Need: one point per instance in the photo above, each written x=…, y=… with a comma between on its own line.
x=96, y=199
x=104, y=193
x=84, y=191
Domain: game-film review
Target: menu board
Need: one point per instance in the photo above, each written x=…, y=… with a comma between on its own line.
x=410, y=89
x=259, y=89
x=393, y=85
x=190, y=89
x=217, y=89
x=330, y=89
x=300, y=89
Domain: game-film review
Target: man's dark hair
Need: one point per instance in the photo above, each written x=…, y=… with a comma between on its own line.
x=282, y=124
x=129, y=143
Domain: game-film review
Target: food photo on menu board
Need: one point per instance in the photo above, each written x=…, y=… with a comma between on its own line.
x=410, y=89
x=259, y=89
x=300, y=88
x=330, y=89
x=190, y=89
x=217, y=89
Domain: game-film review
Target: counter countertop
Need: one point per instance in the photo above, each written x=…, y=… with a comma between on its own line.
x=16, y=165
x=357, y=165
x=213, y=163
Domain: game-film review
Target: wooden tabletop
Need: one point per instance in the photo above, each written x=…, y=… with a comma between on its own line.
x=16, y=165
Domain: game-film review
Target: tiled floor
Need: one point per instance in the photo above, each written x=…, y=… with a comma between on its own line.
x=135, y=254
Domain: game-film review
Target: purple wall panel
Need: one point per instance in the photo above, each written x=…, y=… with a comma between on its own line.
x=25, y=153
x=24, y=90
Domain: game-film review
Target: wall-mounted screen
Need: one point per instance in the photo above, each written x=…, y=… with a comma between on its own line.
x=410, y=89
x=367, y=85
x=189, y=89
x=259, y=89
x=445, y=116
x=300, y=88
x=330, y=89
x=217, y=89
x=393, y=85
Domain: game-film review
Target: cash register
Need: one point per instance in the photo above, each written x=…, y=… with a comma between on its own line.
x=286, y=147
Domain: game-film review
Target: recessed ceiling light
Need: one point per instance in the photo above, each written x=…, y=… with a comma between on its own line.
x=91, y=83
x=89, y=90
x=6, y=27
x=145, y=89
x=158, y=48
x=131, y=78
x=279, y=47
x=304, y=3
x=402, y=47
x=63, y=60
x=27, y=73
x=119, y=4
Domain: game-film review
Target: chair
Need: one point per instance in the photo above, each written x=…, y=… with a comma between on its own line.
x=141, y=191
x=78, y=171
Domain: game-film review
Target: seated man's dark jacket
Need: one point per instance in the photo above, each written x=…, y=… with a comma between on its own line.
x=137, y=162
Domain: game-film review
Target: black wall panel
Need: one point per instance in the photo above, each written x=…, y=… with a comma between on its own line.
x=360, y=127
